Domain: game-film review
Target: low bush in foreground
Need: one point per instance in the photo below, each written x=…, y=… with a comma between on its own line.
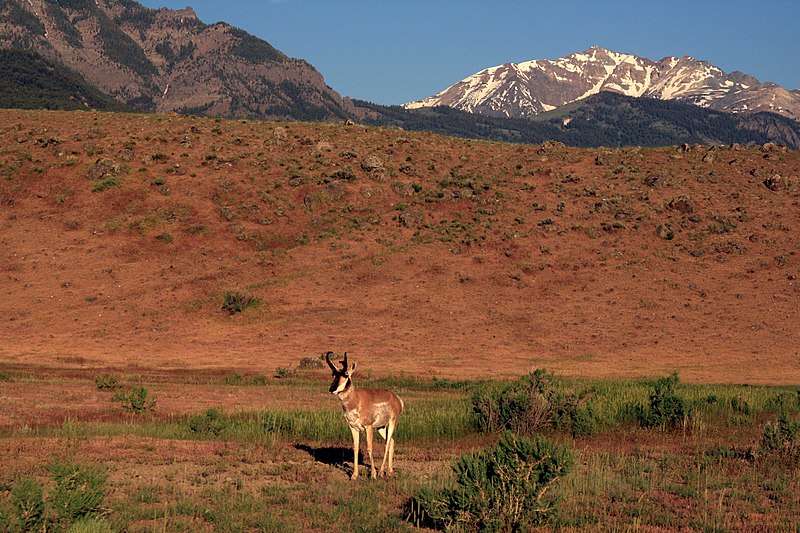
x=782, y=440
x=504, y=488
x=76, y=500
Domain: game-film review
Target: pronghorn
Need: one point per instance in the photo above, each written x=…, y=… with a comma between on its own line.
x=365, y=409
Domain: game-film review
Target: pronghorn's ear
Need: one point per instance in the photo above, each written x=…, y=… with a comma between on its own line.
x=352, y=368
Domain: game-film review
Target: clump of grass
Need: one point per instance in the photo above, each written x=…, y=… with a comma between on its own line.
x=166, y=238
x=782, y=439
x=106, y=381
x=28, y=499
x=236, y=302
x=105, y=184
x=666, y=409
x=283, y=372
x=234, y=379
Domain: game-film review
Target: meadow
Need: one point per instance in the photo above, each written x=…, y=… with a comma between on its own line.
x=165, y=277
x=714, y=468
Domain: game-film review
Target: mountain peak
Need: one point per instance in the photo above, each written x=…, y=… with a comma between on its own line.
x=538, y=85
x=168, y=60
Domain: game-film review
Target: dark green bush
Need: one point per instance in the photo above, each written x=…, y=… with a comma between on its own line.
x=666, y=409
x=530, y=404
x=501, y=489
x=79, y=492
x=211, y=422
x=28, y=499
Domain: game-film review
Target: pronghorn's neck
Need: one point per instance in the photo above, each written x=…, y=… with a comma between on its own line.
x=348, y=395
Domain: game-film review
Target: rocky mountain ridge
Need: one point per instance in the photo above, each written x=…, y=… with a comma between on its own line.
x=520, y=90
x=168, y=60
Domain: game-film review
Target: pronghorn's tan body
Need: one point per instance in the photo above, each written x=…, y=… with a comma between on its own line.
x=366, y=409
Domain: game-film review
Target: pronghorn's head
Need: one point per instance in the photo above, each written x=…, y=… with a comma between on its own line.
x=341, y=378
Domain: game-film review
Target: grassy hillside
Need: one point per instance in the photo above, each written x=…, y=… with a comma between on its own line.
x=125, y=235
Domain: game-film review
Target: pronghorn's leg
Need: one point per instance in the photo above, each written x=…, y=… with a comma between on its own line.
x=388, y=446
x=391, y=455
x=355, y=434
x=369, y=452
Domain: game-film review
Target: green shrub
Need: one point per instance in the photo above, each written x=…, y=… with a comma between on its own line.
x=236, y=302
x=530, y=404
x=79, y=492
x=137, y=400
x=782, y=439
x=211, y=422
x=106, y=381
x=28, y=499
x=505, y=488
x=666, y=409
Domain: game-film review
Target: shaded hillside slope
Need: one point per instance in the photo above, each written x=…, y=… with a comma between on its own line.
x=422, y=254
x=605, y=119
x=29, y=81
x=169, y=60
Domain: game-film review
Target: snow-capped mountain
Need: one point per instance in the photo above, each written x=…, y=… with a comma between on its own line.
x=532, y=87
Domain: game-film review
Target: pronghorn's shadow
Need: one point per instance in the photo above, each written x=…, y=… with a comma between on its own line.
x=331, y=455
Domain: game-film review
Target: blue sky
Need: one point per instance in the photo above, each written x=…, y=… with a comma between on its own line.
x=393, y=51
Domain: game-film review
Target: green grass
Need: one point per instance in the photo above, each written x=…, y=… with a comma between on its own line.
x=707, y=475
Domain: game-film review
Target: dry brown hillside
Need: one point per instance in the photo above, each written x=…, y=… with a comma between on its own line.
x=429, y=255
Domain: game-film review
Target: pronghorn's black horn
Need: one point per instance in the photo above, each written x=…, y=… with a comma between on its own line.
x=330, y=364
x=344, y=364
